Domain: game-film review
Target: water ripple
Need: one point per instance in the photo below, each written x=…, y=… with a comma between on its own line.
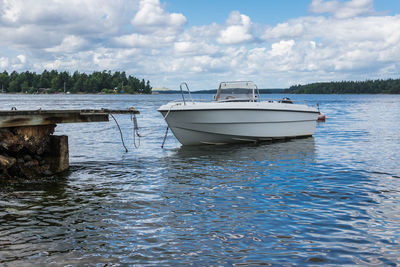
x=332, y=199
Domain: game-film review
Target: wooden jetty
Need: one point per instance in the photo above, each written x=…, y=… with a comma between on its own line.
x=28, y=148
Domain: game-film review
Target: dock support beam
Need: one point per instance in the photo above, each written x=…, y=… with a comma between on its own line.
x=29, y=152
x=58, y=156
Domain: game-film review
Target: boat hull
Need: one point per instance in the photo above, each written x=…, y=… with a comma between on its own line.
x=223, y=124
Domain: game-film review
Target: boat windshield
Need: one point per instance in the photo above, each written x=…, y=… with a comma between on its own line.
x=236, y=92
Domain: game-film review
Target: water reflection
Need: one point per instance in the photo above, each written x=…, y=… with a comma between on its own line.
x=226, y=200
x=293, y=149
x=240, y=162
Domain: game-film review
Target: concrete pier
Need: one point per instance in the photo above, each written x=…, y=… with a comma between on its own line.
x=28, y=148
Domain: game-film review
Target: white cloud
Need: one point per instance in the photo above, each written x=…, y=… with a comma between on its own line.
x=237, y=30
x=3, y=62
x=54, y=13
x=22, y=59
x=321, y=6
x=70, y=44
x=187, y=48
x=283, y=48
x=344, y=10
x=351, y=45
x=153, y=27
x=145, y=40
x=285, y=29
x=45, y=24
x=152, y=17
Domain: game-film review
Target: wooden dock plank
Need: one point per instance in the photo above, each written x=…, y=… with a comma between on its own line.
x=15, y=118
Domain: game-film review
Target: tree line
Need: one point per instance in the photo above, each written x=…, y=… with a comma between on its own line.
x=390, y=86
x=57, y=82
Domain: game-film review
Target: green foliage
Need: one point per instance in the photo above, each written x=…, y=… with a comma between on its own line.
x=55, y=82
x=390, y=86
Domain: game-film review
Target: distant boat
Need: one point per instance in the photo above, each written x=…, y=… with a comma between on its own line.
x=237, y=115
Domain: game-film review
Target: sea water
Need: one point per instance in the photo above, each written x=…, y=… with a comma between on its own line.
x=330, y=199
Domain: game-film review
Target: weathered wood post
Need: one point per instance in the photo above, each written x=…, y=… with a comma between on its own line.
x=58, y=155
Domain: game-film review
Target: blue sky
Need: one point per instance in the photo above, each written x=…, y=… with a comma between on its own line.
x=274, y=43
x=261, y=11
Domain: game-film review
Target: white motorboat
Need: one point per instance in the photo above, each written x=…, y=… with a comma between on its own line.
x=237, y=115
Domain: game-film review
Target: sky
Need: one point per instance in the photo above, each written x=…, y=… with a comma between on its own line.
x=276, y=44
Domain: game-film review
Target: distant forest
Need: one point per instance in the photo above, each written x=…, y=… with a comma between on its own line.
x=390, y=86
x=214, y=91
x=57, y=82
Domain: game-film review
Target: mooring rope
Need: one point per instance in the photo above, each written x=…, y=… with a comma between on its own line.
x=165, y=118
x=120, y=132
x=165, y=137
x=169, y=110
x=135, y=131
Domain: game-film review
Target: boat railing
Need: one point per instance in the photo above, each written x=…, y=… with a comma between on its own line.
x=183, y=96
x=258, y=94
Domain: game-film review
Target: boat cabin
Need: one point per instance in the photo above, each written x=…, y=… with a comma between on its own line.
x=242, y=91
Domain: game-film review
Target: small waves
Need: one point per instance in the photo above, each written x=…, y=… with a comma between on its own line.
x=332, y=199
